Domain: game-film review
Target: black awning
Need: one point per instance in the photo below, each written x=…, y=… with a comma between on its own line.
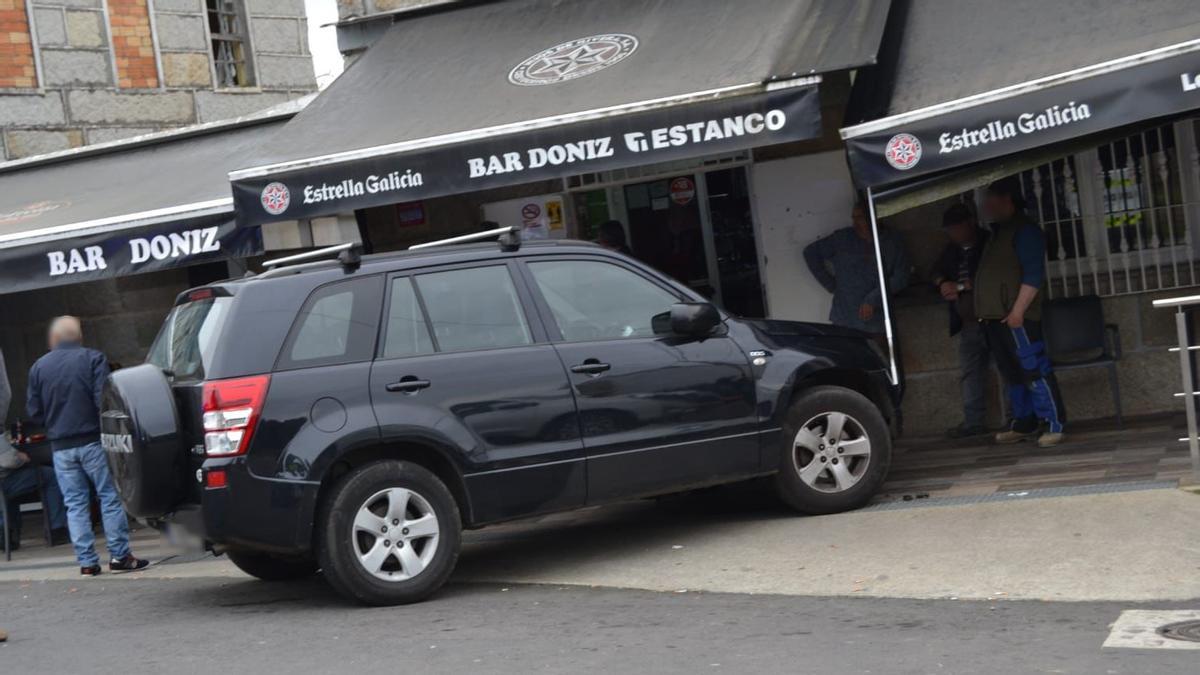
x=135, y=206
x=966, y=81
x=495, y=94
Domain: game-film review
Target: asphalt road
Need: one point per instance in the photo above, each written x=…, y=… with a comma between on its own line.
x=233, y=626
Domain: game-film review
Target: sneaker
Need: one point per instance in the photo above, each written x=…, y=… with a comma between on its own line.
x=93, y=571
x=1010, y=436
x=127, y=564
x=965, y=430
x=1050, y=439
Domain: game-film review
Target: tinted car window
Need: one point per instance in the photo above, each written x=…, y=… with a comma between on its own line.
x=474, y=308
x=407, y=332
x=186, y=342
x=336, y=325
x=593, y=300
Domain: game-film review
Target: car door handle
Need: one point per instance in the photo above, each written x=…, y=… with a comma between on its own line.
x=408, y=384
x=590, y=367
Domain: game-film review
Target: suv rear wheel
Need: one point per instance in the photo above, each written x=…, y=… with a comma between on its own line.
x=270, y=567
x=837, y=451
x=389, y=534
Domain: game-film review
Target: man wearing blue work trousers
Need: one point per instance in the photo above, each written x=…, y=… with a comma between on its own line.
x=1008, y=302
x=64, y=396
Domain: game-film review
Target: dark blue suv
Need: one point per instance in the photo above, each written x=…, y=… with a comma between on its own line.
x=354, y=415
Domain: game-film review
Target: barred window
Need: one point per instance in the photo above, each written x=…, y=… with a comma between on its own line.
x=230, y=43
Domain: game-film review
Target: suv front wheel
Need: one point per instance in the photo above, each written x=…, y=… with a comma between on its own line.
x=389, y=534
x=836, y=453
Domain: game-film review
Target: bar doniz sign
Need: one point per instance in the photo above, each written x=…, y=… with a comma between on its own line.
x=668, y=134
x=150, y=249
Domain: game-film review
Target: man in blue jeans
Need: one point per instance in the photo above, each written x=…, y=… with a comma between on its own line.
x=64, y=395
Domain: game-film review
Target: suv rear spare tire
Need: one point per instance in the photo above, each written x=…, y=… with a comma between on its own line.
x=389, y=533
x=836, y=452
x=139, y=429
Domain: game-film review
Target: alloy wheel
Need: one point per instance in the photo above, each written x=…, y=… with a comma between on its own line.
x=395, y=534
x=831, y=452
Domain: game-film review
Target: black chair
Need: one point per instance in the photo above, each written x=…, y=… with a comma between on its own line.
x=11, y=525
x=1076, y=336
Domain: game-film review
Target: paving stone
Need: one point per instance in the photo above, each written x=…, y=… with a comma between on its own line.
x=180, y=31
x=85, y=28
x=122, y=108
x=51, y=27
x=276, y=36
x=30, y=142
x=186, y=69
x=76, y=67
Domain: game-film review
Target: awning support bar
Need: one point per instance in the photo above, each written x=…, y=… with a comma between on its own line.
x=893, y=373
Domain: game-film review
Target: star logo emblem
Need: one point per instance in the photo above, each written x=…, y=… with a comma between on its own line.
x=574, y=59
x=903, y=151
x=275, y=198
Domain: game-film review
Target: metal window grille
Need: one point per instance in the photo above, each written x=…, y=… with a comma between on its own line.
x=230, y=43
x=1121, y=218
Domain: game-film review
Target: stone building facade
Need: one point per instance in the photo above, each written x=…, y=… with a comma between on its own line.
x=77, y=72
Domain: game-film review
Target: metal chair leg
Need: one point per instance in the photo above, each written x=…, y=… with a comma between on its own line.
x=5, y=526
x=1114, y=384
x=46, y=530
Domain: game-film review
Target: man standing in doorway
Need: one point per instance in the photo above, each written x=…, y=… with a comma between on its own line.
x=1008, y=301
x=64, y=395
x=954, y=277
x=844, y=263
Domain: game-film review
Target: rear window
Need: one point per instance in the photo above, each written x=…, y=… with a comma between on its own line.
x=187, y=341
x=336, y=325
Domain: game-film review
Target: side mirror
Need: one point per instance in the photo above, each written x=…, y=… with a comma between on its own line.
x=689, y=319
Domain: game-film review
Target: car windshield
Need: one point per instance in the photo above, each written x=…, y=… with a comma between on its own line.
x=186, y=342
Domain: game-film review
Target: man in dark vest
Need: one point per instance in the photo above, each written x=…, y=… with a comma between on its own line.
x=954, y=277
x=1008, y=302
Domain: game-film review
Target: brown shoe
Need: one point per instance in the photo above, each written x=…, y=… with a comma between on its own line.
x=1050, y=439
x=1009, y=437
x=127, y=564
x=93, y=571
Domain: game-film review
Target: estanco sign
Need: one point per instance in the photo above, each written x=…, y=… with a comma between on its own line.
x=882, y=153
x=666, y=134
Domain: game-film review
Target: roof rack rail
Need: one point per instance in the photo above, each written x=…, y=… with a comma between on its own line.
x=346, y=254
x=510, y=239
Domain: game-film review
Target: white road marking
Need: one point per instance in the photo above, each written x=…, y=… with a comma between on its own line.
x=1138, y=629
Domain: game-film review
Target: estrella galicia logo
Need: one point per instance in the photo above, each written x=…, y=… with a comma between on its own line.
x=903, y=151
x=573, y=59
x=275, y=198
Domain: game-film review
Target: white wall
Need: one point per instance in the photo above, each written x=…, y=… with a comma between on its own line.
x=796, y=201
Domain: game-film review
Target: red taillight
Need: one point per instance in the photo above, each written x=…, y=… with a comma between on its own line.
x=231, y=409
x=216, y=478
x=200, y=294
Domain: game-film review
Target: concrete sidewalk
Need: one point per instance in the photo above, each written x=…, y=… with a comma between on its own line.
x=1131, y=546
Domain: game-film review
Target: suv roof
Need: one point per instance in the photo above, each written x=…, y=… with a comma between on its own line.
x=443, y=254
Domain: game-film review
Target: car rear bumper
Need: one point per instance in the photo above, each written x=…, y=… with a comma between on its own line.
x=257, y=513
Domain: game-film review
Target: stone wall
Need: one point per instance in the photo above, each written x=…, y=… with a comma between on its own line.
x=120, y=318
x=112, y=69
x=355, y=8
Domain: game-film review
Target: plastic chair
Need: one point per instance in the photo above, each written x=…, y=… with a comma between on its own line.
x=1077, y=337
x=8, y=523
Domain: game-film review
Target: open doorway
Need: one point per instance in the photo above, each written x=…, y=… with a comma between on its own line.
x=696, y=227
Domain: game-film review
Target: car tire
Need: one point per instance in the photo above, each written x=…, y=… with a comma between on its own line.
x=383, y=568
x=818, y=477
x=269, y=567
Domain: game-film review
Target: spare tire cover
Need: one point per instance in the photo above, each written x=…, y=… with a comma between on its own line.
x=139, y=429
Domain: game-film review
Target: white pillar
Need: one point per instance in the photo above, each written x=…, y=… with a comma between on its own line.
x=883, y=291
